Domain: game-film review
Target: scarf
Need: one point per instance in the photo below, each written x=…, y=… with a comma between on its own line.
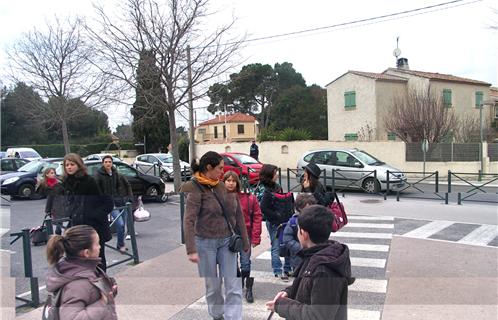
x=202, y=179
x=51, y=182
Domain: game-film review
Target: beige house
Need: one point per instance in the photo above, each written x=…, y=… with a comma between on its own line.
x=358, y=102
x=237, y=127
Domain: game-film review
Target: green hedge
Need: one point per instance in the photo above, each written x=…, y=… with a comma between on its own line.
x=57, y=150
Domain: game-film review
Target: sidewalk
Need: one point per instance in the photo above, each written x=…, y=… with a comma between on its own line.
x=426, y=279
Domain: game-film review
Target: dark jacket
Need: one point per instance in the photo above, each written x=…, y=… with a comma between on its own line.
x=55, y=202
x=85, y=204
x=320, y=289
x=254, y=151
x=267, y=205
x=114, y=185
x=291, y=242
x=204, y=216
x=322, y=197
x=83, y=286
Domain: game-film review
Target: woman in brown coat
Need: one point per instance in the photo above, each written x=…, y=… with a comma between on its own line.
x=87, y=291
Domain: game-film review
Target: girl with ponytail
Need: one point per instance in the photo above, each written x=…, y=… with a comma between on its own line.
x=87, y=291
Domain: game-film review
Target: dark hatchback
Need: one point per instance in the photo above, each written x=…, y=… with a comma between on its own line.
x=147, y=186
x=11, y=164
x=22, y=183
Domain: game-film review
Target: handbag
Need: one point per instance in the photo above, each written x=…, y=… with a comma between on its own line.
x=140, y=214
x=39, y=235
x=235, y=243
x=339, y=214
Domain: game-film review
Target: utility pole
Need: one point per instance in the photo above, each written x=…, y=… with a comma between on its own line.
x=191, y=128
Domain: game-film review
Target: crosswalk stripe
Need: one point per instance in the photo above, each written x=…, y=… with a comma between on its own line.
x=481, y=236
x=368, y=262
x=344, y=234
x=429, y=229
x=367, y=247
x=360, y=284
x=358, y=314
x=383, y=218
x=370, y=225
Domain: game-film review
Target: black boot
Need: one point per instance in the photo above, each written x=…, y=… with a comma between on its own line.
x=244, y=275
x=249, y=284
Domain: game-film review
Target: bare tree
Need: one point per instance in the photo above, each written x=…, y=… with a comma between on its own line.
x=420, y=115
x=167, y=29
x=366, y=133
x=59, y=63
x=468, y=129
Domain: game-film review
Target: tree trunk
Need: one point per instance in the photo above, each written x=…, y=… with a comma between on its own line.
x=174, y=150
x=65, y=137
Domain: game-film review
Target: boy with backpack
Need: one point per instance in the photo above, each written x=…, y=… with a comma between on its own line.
x=290, y=240
x=320, y=289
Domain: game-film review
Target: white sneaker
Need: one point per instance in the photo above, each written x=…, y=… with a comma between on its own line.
x=128, y=237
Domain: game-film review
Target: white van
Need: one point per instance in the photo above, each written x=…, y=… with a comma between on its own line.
x=23, y=153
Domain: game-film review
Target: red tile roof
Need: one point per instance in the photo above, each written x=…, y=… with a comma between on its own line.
x=378, y=76
x=229, y=118
x=438, y=76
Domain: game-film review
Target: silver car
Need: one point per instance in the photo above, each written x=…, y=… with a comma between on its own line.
x=160, y=164
x=353, y=169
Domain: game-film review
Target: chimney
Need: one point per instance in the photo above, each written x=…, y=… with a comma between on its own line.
x=402, y=63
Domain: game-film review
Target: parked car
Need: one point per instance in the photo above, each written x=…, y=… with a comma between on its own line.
x=22, y=183
x=11, y=164
x=23, y=153
x=99, y=156
x=242, y=164
x=3, y=154
x=147, y=186
x=160, y=164
x=355, y=167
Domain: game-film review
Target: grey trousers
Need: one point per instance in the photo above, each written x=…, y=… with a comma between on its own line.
x=218, y=265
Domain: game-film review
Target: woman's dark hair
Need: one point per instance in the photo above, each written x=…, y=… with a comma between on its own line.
x=73, y=241
x=303, y=200
x=73, y=157
x=317, y=221
x=209, y=158
x=234, y=176
x=266, y=174
x=314, y=182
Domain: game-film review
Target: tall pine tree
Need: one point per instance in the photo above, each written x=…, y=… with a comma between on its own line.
x=150, y=119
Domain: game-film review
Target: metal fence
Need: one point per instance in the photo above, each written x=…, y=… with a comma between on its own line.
x=493, y=151
x=444, y=152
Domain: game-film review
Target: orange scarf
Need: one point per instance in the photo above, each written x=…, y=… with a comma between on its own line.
x=205, y=180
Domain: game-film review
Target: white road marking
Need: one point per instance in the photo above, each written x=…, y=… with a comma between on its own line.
x=481, y=236
x=358, y=314
x=370, y=225
x=25, y=294
x=428, y=229
x=368, y=262
x=344, y=234
x=367, y=247
x=383, y=218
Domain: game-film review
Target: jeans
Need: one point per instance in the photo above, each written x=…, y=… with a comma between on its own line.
x=276, y=263
x=120, y=226
x=245, y=261
x=217, y=264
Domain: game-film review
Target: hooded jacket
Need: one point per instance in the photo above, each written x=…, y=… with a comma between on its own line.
x=252, y=216
x=320, y=289
x=83, y=285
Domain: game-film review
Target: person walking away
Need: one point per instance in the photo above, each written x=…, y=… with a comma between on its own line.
x=291, y=242
x=84, y=202
x=311, y=184
x=320, y=289
x=254, y=150
x=253, y=218
x=207, y=235
x=51, y=187
x=267, y=181
x=117, y=186
x=87, y=291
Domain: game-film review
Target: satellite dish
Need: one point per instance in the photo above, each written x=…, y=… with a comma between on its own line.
x=397, y=52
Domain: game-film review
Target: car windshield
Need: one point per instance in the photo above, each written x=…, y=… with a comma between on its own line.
x=166, y=158
x=33, y=166
x=245, y=159
x=367, y=158
x=29, y=154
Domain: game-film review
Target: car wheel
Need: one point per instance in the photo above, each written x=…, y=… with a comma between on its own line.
x=162, y=198
x=152, y=191
x=26, y=191
x=165, y=176
x=371, y=185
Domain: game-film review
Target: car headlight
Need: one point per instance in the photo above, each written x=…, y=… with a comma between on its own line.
x=10, y=180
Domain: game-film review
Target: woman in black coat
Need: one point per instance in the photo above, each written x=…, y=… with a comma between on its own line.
x=84, y=202
x=311, y=184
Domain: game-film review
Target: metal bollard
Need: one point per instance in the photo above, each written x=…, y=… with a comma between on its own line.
x=131, y=231
x=182, y=215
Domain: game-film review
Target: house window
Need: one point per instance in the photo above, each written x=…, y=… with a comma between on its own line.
x=447, y=98
x=391, y=136
x=496, y=112
x=479, y=97
x=351, y=136
x=240, y=129
x=216, y=132
x=350, y=100
x=202, y=131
